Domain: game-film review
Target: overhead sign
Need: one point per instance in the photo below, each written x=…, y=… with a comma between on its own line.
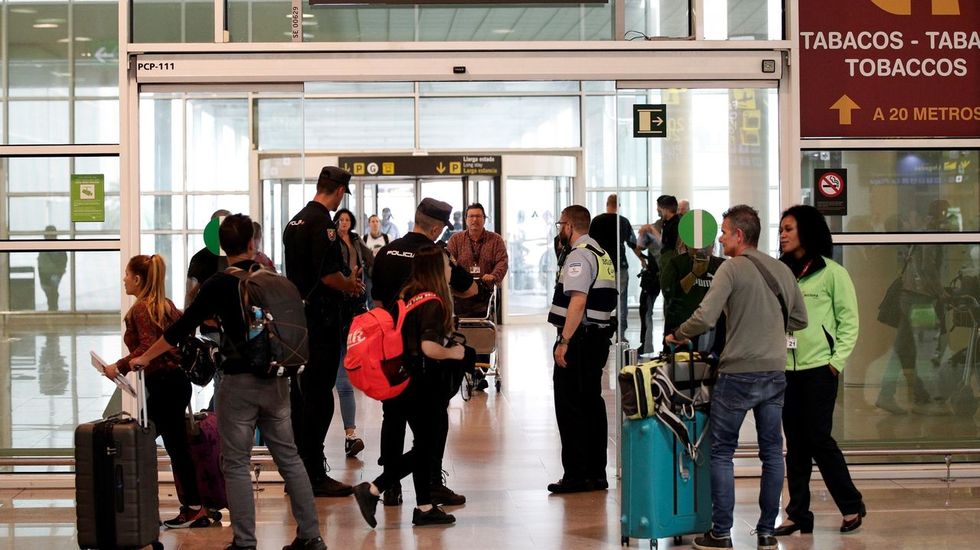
x=890, y=68
x=87, y=198
x=650, y=121
x=441, y=165
x=830, y=191
x=698, y=228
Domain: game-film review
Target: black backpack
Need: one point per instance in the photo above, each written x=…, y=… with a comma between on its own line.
x=282, y=347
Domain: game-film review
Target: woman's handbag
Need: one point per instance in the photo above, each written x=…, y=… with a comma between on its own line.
x=447, y=375
x=199, y=358
x=890, y=309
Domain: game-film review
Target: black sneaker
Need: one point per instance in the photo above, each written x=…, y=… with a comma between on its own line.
x=565, y=485
x=709, y=540
x=768, y=542
x=330, y=487
x=306, y=544
x=599, y=484
x=435, y=516
x=393, y=496
x=189, y=518
x=352, y=446
x=367, y=503
x=444, y=495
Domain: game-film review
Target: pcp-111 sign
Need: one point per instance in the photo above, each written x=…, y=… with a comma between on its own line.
x=890, y=68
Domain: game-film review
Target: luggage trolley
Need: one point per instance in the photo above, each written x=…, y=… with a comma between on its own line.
x=957, y=375
x=476, y=320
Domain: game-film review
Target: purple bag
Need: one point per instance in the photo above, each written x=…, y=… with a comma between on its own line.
x=205, y=448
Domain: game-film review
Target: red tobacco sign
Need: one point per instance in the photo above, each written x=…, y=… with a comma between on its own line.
x=890, y=68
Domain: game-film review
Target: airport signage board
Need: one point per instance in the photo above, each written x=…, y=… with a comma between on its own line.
x=889, y=68
x=423, y=165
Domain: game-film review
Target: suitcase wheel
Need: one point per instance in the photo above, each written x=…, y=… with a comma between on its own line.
x=624, y=541
x=678, y=539
x=157, y=545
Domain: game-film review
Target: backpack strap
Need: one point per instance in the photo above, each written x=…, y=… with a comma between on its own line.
x=406, y=307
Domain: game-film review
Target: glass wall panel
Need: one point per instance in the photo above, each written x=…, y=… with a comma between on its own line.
x=38, y=122
x=927, y=350
x=36, y=192
x=366, y=88
x=37, y=50
x=97, y=121
x=743, y=19
x=217, y=144
x=556, y=86
x=660, y=18
x=168, y=21
x=600, y=135
x=505, y=122
x=47, y=386
x=894, y=190
x=358, y=124
x=269, y=21
x=96, y=48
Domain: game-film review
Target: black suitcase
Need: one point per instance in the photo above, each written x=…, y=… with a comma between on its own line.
x=116, y=492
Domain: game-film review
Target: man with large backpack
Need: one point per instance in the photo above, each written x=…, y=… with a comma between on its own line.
x=315, y=264
x=392, y=268
x=246, y=398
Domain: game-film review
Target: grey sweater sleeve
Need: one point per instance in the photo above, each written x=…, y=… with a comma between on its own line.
x=711, y=306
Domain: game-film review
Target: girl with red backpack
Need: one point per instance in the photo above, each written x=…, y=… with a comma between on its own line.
x=425, y=337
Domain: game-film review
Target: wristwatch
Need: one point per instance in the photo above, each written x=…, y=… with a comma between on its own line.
x=562, y=340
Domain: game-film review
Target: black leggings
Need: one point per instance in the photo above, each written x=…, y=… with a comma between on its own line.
x=167, y=394
x=422, y=413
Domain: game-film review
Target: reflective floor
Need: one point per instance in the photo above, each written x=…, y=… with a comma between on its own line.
x=503, y=450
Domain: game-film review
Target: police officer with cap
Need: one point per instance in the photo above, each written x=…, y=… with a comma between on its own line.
x=581, y=309
x=315, y=264
x=392, y=267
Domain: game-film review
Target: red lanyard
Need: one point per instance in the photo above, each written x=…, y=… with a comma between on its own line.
x=805, y=269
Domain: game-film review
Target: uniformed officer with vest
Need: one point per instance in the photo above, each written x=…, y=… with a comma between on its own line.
x=315, y=264
x=585, y=297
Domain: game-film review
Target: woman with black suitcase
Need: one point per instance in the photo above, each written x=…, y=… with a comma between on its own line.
x=167, y=387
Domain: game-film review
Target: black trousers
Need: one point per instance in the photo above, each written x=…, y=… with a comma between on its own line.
x=647, y=299
x=167, y=394
x=416, y=408
x=311, y=393
x=393, y=433
x=808, y=417
x=579, y=407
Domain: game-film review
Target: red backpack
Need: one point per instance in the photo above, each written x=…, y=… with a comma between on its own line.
x=374, y=349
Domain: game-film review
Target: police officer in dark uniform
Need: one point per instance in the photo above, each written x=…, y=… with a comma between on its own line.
x=315, y=264
x=581, y=309
x=392, y=267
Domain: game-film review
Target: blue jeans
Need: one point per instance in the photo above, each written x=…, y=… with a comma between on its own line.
x=733, y=396
x=345, y=392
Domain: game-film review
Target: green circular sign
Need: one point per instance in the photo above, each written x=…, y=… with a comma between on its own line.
x=698, y=228
x=211, y=236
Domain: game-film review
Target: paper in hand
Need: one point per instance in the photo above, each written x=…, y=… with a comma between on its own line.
x=99, y=364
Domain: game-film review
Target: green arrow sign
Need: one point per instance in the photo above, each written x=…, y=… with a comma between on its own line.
x=698, y=228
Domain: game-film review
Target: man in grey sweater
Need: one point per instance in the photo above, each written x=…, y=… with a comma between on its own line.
x=758, y=331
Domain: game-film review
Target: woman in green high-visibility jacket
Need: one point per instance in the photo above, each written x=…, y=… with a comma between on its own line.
x=812, y=370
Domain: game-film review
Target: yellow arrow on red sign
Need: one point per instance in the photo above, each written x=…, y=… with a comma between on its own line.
x=844, y=106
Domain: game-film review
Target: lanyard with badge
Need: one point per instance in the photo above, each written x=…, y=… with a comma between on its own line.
x=475, y=252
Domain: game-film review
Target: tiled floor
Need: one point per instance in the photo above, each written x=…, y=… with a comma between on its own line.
x=503, y=450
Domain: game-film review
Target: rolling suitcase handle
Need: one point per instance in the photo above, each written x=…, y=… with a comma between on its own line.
x=141, y=416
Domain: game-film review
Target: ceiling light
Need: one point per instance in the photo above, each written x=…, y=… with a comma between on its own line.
x=50, y=20
x=45, y=26
x=28, y=11
x=503, y=31
x=82, y=39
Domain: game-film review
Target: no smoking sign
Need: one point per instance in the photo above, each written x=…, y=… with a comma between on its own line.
x=830, y=191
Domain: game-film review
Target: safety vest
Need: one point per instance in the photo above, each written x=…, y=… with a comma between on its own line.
x=602, y=297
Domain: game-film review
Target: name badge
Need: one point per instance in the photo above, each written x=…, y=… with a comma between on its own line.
x=790, y=341
x=475, y=270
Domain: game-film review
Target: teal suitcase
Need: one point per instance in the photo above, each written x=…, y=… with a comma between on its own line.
x=659, y=501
